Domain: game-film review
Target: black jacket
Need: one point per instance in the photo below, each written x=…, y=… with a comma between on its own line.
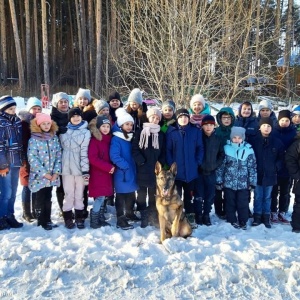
x=61, y=119
x=292, y=162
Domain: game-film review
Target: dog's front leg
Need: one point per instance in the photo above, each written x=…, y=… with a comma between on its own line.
x=162, y=225
x=175, y=224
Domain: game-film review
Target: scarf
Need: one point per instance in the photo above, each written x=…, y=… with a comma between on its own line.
x=74, y=127
x=148, y=129
x=42, y=136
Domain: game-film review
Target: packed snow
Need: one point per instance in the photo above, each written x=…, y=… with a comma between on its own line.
x=216, y=262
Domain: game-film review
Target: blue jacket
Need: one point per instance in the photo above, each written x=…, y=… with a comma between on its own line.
x=238, y=171
x=185, y=147
x=251, y=126
x=121, y=157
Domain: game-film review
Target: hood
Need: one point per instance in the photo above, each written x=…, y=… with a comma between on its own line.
x=227, y=110
x=95, y=132
x=25, y=116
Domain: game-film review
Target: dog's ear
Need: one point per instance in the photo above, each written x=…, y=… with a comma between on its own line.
x=157, y=167
x=173, y=168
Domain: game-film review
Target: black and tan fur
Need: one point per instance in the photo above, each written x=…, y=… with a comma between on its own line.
x=172, y=220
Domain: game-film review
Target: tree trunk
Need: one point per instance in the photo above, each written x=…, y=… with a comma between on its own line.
x=36, y=46
x=99, y=46
x=287, y=50
x=79, y=43
x=3, y=34
x=53, y=41
x=28, y=46
x=91, y=39
x=45, y=42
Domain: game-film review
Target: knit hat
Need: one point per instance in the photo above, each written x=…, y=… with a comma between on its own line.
x=208, y=119
x=266, y=121
x=33, y=101
x=100, y=120
x=296, y=110
x=265, y=104
x=99, y=105
x=285, y=113
x=6, y=102
x=136, y=96
x=85, y=93
x=153, y=111
x=182, y=112
x=41, y=117
x=197, y=98
x=238, y=131
x=76, y=111
x=123, y=116
x=58, y=96
x=169, y=103
x=114, y=95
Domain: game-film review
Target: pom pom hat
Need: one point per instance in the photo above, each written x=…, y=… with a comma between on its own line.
x=123, y=116
x=7, y=102
x=41, y=117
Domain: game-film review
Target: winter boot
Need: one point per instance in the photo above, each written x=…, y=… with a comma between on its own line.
x=41, y=219
x=131, y=216
x=257, y=219
x=110, y=200
x=101, y=218
x=13, y=223
x=79, y=218
x=206, y=220
x=97, y=219
x=68, y=219
x=153, y=218
x=123, y=224
x=191, y=220
x=27, y=212
x=266, y=220
x=3, y=223
x=274, y=218
x=199, y=219
x=144, y=218
x=243, y=225
x=48, y=209
x=282, y=218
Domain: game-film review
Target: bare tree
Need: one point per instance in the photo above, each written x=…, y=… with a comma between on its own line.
x=45, y=42
x=98, y=45
x=36, y=45
x=3, y=42
x=28, y=45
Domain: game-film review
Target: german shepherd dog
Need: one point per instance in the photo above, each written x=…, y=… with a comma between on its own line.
x=172, y=220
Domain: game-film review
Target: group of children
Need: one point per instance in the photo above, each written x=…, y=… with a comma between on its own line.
x=102, y=150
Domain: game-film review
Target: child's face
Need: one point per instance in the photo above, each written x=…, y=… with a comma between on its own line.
x=46, y=126
x=35, y=109
x=82, y=102
x=114, y=103
x=75, y=120
x=296, y=119
x=134, y=106
x=154, y=119
x=265, y=112
x=226, y=120
x=284, y=122
x=105, y=129
x=104, y=111
x=208, y=129
x=237, y=139
x=197, y=107
x=246, y=111
x=168, y=112
x=11, y=110
x=183, y=120
x=127, y=127
x=63, y=105
x=265, y=129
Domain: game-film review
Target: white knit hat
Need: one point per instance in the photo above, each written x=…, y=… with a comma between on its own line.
x=85, y=93
x=197, y=98
x=136, y=96
x=58, y=96
x=123, y=116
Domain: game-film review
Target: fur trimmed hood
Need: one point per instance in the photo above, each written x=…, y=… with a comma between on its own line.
x=95, y=132
x=35, y=128
x=89, y=107
x=25, y=116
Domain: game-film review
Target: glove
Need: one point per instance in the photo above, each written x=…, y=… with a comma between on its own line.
x=219, y=186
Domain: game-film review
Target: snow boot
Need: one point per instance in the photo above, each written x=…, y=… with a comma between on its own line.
x=48, y=209
x=40, y=215
x=79, y=218
x=12, y=222
x=3, y=224
x=123, y=224
x=206, y=220
x=27, y=212
x=266, y=220
x=101, y=218
x=153, y=218
x=69, y=223
x=257, y=219
x=144, y=218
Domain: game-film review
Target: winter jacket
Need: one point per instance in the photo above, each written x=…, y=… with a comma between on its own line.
x=238, y=170
x=121, y=155
x=11, y=147
x=146, y=159
x=61, y=119
x=88, y=112
x=185, y=147
x=224, y=131
x=74, y=145
x=139, y=116
x=101, y=182
x=286, y=135
x=269, y=153
x=251, y=126
x=44, y=156
x=112, y=111
x=292, y=162
x=213, y=153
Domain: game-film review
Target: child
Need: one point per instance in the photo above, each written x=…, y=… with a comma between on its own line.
x=198, y=109
x=100, y=167
x=44, y=156
x=75, y=167
x=265, y=110
x=83, y=100
x=114, y=101
x=137, y=108
x=125, y=172
x=147, y=149
x=296, y=117
x=11, y=159
x=34, y=106
x=213, y=158
x=168, y=115
x=225, y=118
x=185, y=147
x=237, y=175
x=286, y=132
x=269, y=153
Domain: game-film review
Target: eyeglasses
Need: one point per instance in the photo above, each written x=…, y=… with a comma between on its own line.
x=226, y=118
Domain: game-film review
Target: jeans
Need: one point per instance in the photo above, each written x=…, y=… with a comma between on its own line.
x=262, y=199
x=8, y=191
x=98, y=203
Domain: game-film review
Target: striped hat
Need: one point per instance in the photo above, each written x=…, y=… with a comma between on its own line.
x=6, y=102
